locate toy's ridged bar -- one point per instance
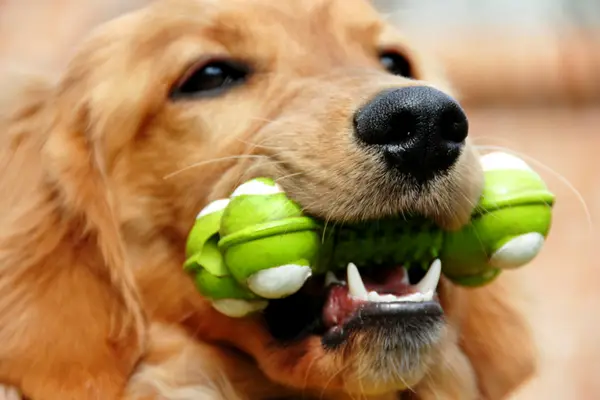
(410, 242)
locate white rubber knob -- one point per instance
(278, 282)
(518, 251)
(237, 308)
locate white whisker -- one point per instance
(492, 140)
(330, 380)
(305, 385)
(258, 145)
(288, 176)
(214, 160)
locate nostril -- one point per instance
(402, 129)
(385, 123)
(453, 125)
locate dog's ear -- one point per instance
(76, 167)
(496, 338)
(68, 293)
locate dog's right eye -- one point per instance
(211, 79)
(396, 63)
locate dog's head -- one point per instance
(185, 100)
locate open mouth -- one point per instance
(335, 305)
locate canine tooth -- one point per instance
(275, 283)
(215, 206)
(380, 298)
(428, 296)
(356, 287)
(331, 279)
(236, 308)
(430, 280)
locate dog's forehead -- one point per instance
(287, 31)
(234, 22)
(347, 9)
(161, 42)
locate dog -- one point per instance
(167, 108)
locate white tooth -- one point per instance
(428, 296)
(330, 279)
(356, 287)
(430, 280)
(388, 298)
(426, 288)
(373, 296)
(412, 298)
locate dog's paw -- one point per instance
(9, 393)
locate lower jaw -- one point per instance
(374, 366)
(400, 317)
(302, 315)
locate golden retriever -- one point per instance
(168, 108)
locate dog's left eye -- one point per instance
(396, 64)
(211, 79)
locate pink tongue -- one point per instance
(339, 306)
(388, 281)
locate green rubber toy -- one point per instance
(258, 245)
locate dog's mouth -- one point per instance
(337, 304)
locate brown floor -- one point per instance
(564, 279)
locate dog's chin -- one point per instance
(391, 348)
(384, 343)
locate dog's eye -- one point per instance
(396, 64)
(211, 79)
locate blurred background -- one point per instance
(528, 72)
(529, 75)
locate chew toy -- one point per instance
(258, 245)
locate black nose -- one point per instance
(420, 130)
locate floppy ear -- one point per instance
(71, 323)
(496, 338)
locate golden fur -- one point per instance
(102, 175)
